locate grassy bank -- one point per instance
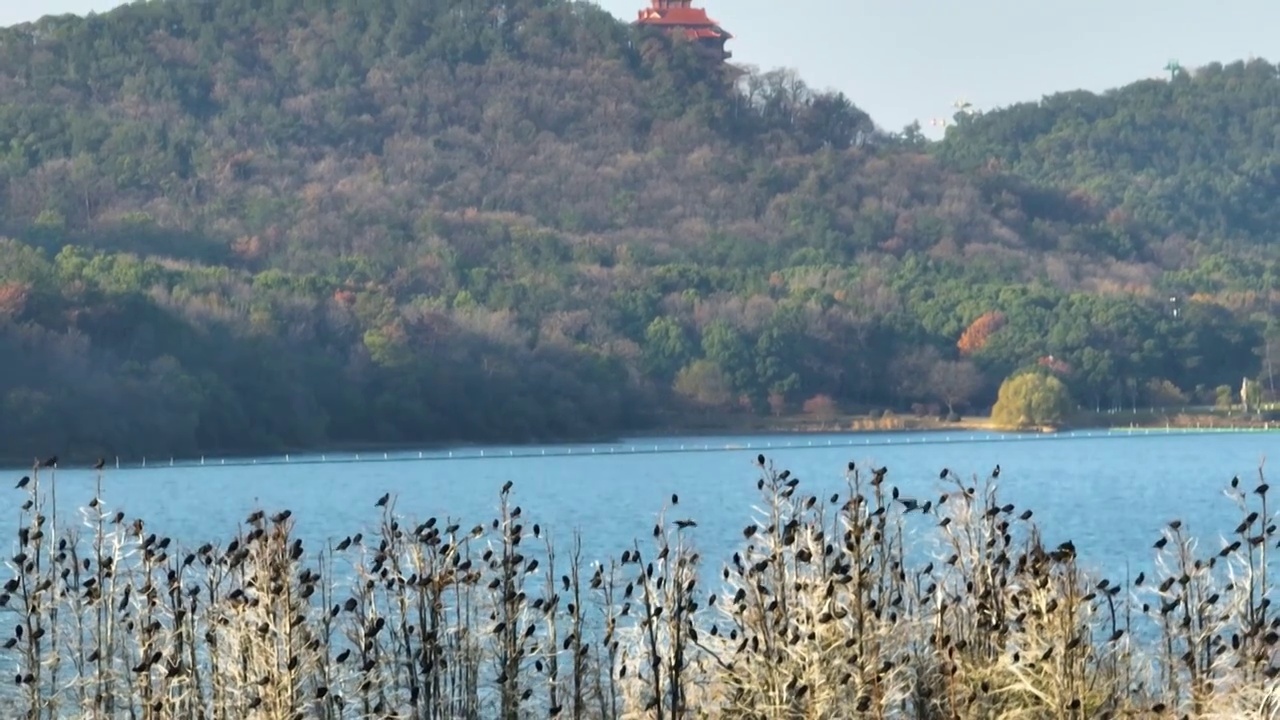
(823, 612)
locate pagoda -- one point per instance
(681, 17)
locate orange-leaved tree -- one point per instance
(975, 337)
(13, 299)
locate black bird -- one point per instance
(26, 479)
(852, 466)
(683, 524)
(675, 499)
(943, 475)
(52, 461)
(760, 460)
(996, 473)
(909, 504)
(281, 516)
(506, 487)
(100, 464)
(382, 501)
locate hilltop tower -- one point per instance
(681, 17)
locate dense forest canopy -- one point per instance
(239, 225)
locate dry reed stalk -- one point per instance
(830, 609)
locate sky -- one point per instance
(905, 60)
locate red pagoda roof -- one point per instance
(680, 14)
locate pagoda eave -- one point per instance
(691, 22)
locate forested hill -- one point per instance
(1197, 154)
(239, 225)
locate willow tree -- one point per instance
(1031, 399)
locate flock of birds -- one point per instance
(508, 563)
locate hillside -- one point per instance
(245, 226)
(1194, 159)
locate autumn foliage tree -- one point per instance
(13, 298)
(975, 337)
(821, 407)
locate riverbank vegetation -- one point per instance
(241, 227)
(950, 605)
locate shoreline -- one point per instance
(712, 426)
(747, 426)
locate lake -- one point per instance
(1108, 491)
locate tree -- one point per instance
(821, 407)
(975, 337)
(777, 403)
(1222, 398)
(13, 298)
(666, 346)
(703, 382)
(1031, 399)
(955, 381)
(1162, 393)
(725, 347)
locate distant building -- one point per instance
(680, 16)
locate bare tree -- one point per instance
(954, 381)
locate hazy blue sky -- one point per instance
(911, 59)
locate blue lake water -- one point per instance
(1110, 493)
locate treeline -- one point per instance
(239, 226)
